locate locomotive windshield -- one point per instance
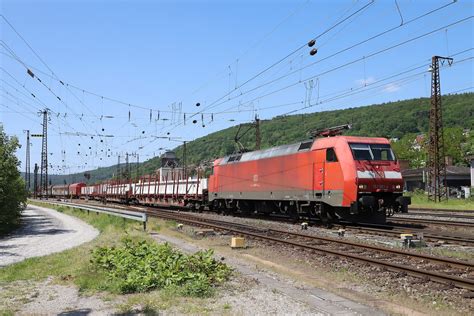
(372, 152)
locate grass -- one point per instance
(421, 200)
(73, 266)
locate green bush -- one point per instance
(141, 266)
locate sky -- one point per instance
(144, 76)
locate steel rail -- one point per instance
(462, 264)
(426, 235)
(431, 275)
(439, 210)
(384, 229)
(441, 214)
(431, 221)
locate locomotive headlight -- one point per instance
(362, 186)
(398, 187)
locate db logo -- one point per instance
(255, 178)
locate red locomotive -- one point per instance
(334, 178)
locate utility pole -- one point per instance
(258, 138)
(27, 162)
(437, 190)
(44, 155)
(118, 168)
(184, 160)
(35, 182)
(138, 166)
(127, 168)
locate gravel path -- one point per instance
(44, 231)
(274, 294)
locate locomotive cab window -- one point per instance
(331, 155)
(379, 152)
(382, 152)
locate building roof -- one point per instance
(451, 171)
(169, 154)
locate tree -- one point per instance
(468, 146)
(13, 193)
(411, 147)
(453, 140)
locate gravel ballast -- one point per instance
(44, 231)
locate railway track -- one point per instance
(427, 221)
(373, 229)
(453, 272)
(442, 215)
(395, 231)
(440, 210)
(441, 270)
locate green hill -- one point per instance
(391, 120)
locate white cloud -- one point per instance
(365, 81)
(391, 87)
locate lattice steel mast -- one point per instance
(258, 138)
(437, 188)
(44, 155)
(35, 183)
(119, 176)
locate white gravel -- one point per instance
(46, 298)
(44, 231)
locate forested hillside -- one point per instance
(401, 120)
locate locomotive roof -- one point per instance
(288, 149)
(265, 153)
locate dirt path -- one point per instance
(44, 231)
(278, 294)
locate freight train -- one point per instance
(338, 178)
(71, 191)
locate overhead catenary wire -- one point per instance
(357, 44)
(34, 52)
(35, 98)
(417, 75)
(396, 45)
(363, 58)
(199, 112)
(399, 82)
(35, 76)
(351, 47)
(346, 64)
(372, 85)
(239, 86)
(190, 114)
(11, 51)
(407, 79)
(291, 53)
